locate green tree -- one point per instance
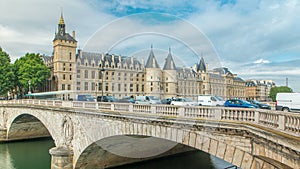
(6, 74)
(31, 68)
(280, 89)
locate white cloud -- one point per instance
(261, 61)
(260, 31)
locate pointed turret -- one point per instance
(201, 66)
(169, 64)
(151, 62)
(61, 34)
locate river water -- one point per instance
(34, 154)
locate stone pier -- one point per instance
(3, 134)
(62, 158)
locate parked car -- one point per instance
(184, 102)
(288, 102)
(220, 101)
(210, 100)
(86, 97)
(239, 103)
(147, 100)
(107, 99)
(166, 101)
(260, 105)
(127, 100)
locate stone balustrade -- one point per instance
(286, 122)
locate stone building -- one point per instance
(220, 81)
(259, 89)
(120, 76)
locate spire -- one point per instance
(61, 19)
(151, 62)
(169, 64)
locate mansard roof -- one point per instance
(222, 70)
(151, 62)
(169, 64)
(110, 59)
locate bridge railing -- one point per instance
(281, 121)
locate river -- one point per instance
(34, 154)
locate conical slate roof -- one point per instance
(151, 62)
(169, 64)
(201, 66)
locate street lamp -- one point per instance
(29, 91)
(184, 90)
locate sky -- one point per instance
(255, 39)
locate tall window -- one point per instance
(63, 87)
(86, 86)
(78, 73)
(93, 86)
(70, 55)
(131, 87)
(86, 74)
(70, 77)
(78, 85)
(119, 87)
(106, 86)
(69, 87)
(93, 74)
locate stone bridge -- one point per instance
(100, 135)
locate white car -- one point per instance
(184, 102)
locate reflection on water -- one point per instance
(189, 160)
(26, 154)
(34, 154)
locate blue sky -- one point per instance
(255, 39)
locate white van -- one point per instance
(288, 101)
(147, 100)
(210, 100)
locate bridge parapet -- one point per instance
(288, 123)
(258, 133)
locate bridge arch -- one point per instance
(32, 123)
(26, 126)
(110, 134)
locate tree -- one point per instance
(6, 74)
(280, 89)
(31, 68)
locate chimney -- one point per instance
(73, 34)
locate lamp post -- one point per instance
(29, 91)
(184, 90)
(102, 73)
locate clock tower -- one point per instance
(64, 60)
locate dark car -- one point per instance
(106, 99)
(239, 103)
(260, 105)
(167, 101)
(127, 100)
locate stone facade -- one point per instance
(259, 89)
(119, 76)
